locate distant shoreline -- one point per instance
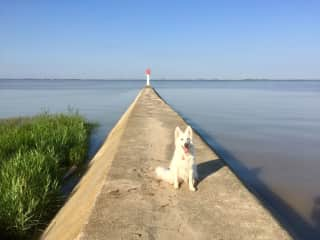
(122, 79)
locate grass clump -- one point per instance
(35, 153)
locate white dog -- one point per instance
(182, 166)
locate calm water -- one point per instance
(268, 131)
(99, 101)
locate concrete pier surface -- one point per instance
(119, 197)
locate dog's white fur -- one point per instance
(182, 166)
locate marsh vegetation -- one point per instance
(35, 154)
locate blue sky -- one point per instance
(177, 39)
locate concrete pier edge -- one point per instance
(281, 221)
(76, 210)
(90, 212)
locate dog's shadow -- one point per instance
(205, 169)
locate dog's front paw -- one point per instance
(176, 185)
(193, 189)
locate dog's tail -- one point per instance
(164, 174)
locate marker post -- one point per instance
(148, 72)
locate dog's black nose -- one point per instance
(186, 145)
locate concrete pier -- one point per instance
(119, 198)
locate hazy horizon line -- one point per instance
(170, 79)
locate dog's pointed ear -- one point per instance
(188, 131)
(177, 132)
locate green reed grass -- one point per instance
(35, 153)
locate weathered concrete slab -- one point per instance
(119, 197)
